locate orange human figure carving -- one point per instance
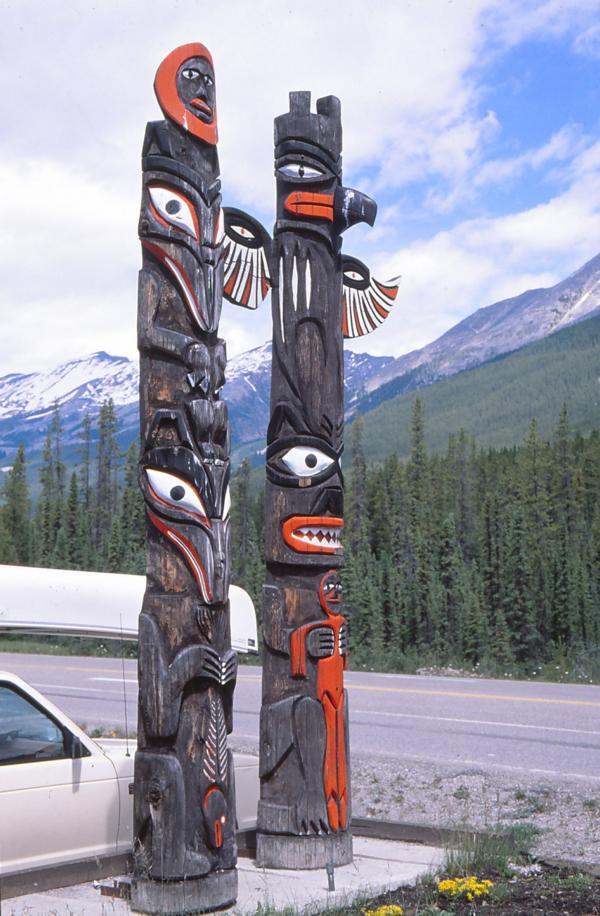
(326, 640)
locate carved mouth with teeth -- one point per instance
(313, 533)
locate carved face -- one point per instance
(196, 88)
(308, 171)
(185, 89)
(188, 502)
(330, 593)
(184, 235)
(307, 179)
(306, 471)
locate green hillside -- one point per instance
(495, 402)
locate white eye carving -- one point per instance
(227, 503)
(190, 73)
(245, 233)
(304, 461)
(300, 170)
(353, 275)
(175, 209)
(176, 492)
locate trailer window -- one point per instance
(26, 733)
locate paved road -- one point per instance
(548, 729)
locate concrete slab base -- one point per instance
(176, 898)
(378, 866)
(303, 852)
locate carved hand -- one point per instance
(320, 642)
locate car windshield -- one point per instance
(26, 734)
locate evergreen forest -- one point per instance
(482, 559)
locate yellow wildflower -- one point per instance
(470, 887)
(390, 909)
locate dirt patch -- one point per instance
(551, 893)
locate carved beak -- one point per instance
(352, 207)
(306, 203)
(345, 207)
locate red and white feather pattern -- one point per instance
(367, 302)
(247, 278)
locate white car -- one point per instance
(65, 798)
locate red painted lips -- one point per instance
(313, 533)
(202, 106)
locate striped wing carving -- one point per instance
(367, 302)
(247, 278)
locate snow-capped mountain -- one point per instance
(82, 385)
(83, 382)
(493, 331)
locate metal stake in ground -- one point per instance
(304, 811)
(184, 845)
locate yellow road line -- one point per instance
(86, 670)
(416, 691)
(474, 696)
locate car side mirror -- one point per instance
(77, 749)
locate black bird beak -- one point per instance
(351, 207)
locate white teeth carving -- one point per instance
(328, 537)
(295, 284)
(308, 284)
(281, 299)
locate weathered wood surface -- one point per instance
(184, 804)
(304, 810)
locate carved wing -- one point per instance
(367, 303)
(247, 243)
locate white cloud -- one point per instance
(588, 42)
(410, 77)
(71, 258)
(481, 261)
(561, 147)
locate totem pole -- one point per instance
(317, 299)
(193, 253)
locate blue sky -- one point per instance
(474, 124)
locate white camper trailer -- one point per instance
(67, 797)
(105, 605)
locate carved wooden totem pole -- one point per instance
(184, 805)
(304, 810)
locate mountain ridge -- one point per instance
(499, 328)
(495, 402)
(81, 385)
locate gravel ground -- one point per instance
(566, 814)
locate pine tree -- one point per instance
(452, 598)
(8, 553)
(17, 510)
(107, 470)
(88, 526)
(50, 503)
(517, 603)
(132, 517)
(72, 527)
(355, 509)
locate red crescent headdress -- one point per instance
(165, 87)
